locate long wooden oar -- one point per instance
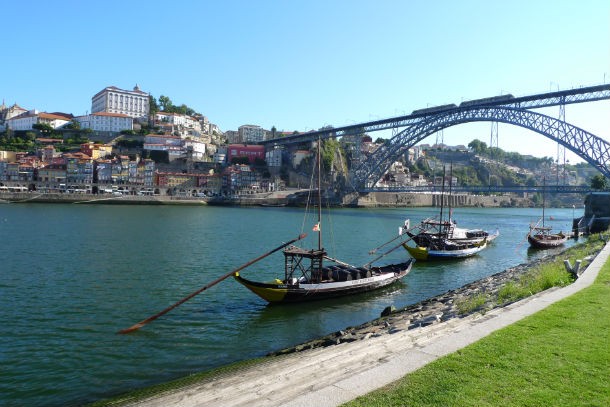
(403, 230)
(205, 287)
(409, 238)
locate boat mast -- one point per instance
(440, 221)
(449, 198)
(543, 199)
(319, 199)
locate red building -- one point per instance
(244, 150)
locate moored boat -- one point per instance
(333, 282)
(306, 278)
(445, 249)
(540, 237)
(442, 239)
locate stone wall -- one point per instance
(394, 199)
(597, 212)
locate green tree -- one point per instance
(73, 125)
(43, 128)
(166, 103)
(599, 182)
(478, 146)
(153, 105)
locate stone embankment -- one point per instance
(398, 199)
(279, 198)
(441, 308)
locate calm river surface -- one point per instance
(71, 276)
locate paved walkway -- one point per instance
(328, 377)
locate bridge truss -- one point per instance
(593, 149)
(506, 109)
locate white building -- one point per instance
(250, 134)
(196, 149)
(220, 156)
(25, 121)
(106, 122)
(175, 146)
(274, 157)
(133, 103)
(7, 112)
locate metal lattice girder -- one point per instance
(559, 98)
(593, 149)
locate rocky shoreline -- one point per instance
(440, 308)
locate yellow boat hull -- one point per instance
(278, 292)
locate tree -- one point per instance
(166, 103)
(43, 128)
(478, 146)
(153, 105)
(73, 125)
(599, 182)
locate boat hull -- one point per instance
(546, 241)
(279, 292)
(425, 253)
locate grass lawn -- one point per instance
(559, 356)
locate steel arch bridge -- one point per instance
(589, 147)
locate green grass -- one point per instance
(470, 304)
(549, 274)
(557, 357)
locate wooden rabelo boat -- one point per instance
(442, 239)
(540, 237)
(430, 228)
(307, 278)
(445, 249)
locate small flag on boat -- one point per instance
(316, 227)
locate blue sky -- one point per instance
(301, 65)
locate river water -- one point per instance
(71, 276)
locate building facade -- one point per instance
(251, 134)
(252, 152)
(106, 122)
(25, 121)
(133, 103)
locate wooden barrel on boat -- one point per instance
(341, 274)
(327, 273)
(364, 272)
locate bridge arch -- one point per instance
(593, 149)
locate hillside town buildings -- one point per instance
(191, 154)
